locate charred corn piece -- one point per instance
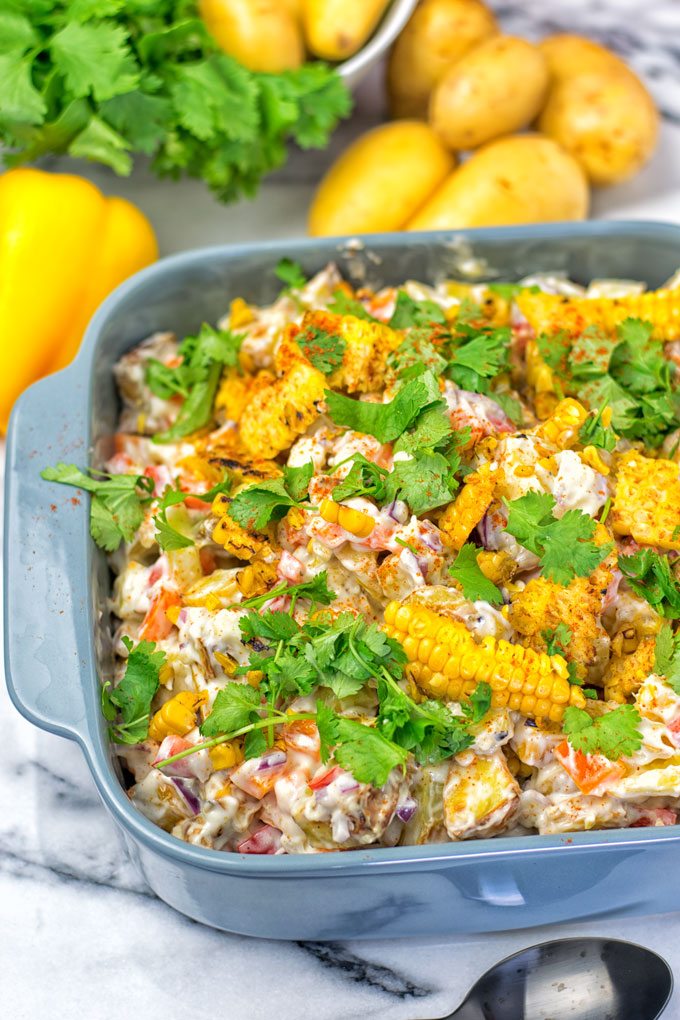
(240, 313)
(233, 394)
(626, 640)
(447, 663)
(498, 567)
(178, 715)
(647, 500)
(355, 521)
(366, 346)
(561, 428)
(548, 313)
(541, 380)
(226, 755)
(276, 415)
(470, 505)
(236, 540)
(626, 673)
(256, 579)
(591, 456)
(201, 468)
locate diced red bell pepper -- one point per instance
(589, 771)
(156, 624)
(325, 779)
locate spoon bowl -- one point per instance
(572, 979)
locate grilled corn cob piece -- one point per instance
(626, 673)
(178, 715)
(469, 506)
(561, 428)
(647, 501)
(236, 390)
(541, 380)
(281, 411)
(257, 578)
(236, 540)
(367, 345)
(447, 663)
(548, 313)
(355, 521)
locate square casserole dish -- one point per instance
(56, 626)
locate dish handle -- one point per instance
(47, 598)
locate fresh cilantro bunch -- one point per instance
(563, 545)
(627, 372)
(256, 505)
(102, 80)
(195, 378)
(649, 575)
(132, 697)
(117, 504)
(615, 734)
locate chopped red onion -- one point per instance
(192, 801)
(272, 760)
(266, 840)
(406, 810)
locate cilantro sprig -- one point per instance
(101, 80)
(195, 378)
(474, 584)
(258, 504)
(667, 656)
(615, 734)
(117, 503)
(562, 544)
(290, 273)
(409, 312)
(649, 575)
(132, 697)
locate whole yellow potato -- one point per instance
(262, 34)
(439, 33)
(496, 88)
(380, 181)
(570, 55)
(335, 29)
(606, 120)
(521, 179)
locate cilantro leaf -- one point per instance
(316, 590)
(615, 734)
(480, 701)
(594, 433)
(363, 479)
(408, 312)
(483, 356)
(343, 304)
(290, 273)
(563, 545)
(474, 584)
(135, 692)
(326, 725)
(428, 729)
(168, 535)
(510, 291)
(667, 656)
(365, 752)
(425, 481)
(117, 504)
(235, 706)
(557, 640)
(272, 626)
(258, 504)
(94, 59)
(324, 350)
(296, 480)
(419, 348)
(649, 575)
(384, 421)
(196, 377)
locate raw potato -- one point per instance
(336, 29)
(524, 179)
(495, 89)
(262, 34)
(572, 55)
(608, 121)
(438, 34)
(380, 181)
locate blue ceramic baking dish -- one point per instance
(57, 582)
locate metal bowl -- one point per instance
(394, 19)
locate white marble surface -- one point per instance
(82, 937)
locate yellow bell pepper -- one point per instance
(63, 247)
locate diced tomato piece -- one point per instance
(301, 735)
(325, 779)
(589, 771)
(194, 503)
(256, 781)
(266, 840)
(156, 624)
(173, 744)
(655, 816)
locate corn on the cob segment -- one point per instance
(355, 521)
(367, 345)
(548, 313)
(236, 540)
(562, 426)
(178, 715)
(541, 380)
(626, 673)
(283, 410)
(647, 500)
(236, 390)
(447, 663)
(257, 578)
(470, 505)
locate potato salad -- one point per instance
(397, 566)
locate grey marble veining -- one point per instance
(82, 936)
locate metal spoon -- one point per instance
(572, 979)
